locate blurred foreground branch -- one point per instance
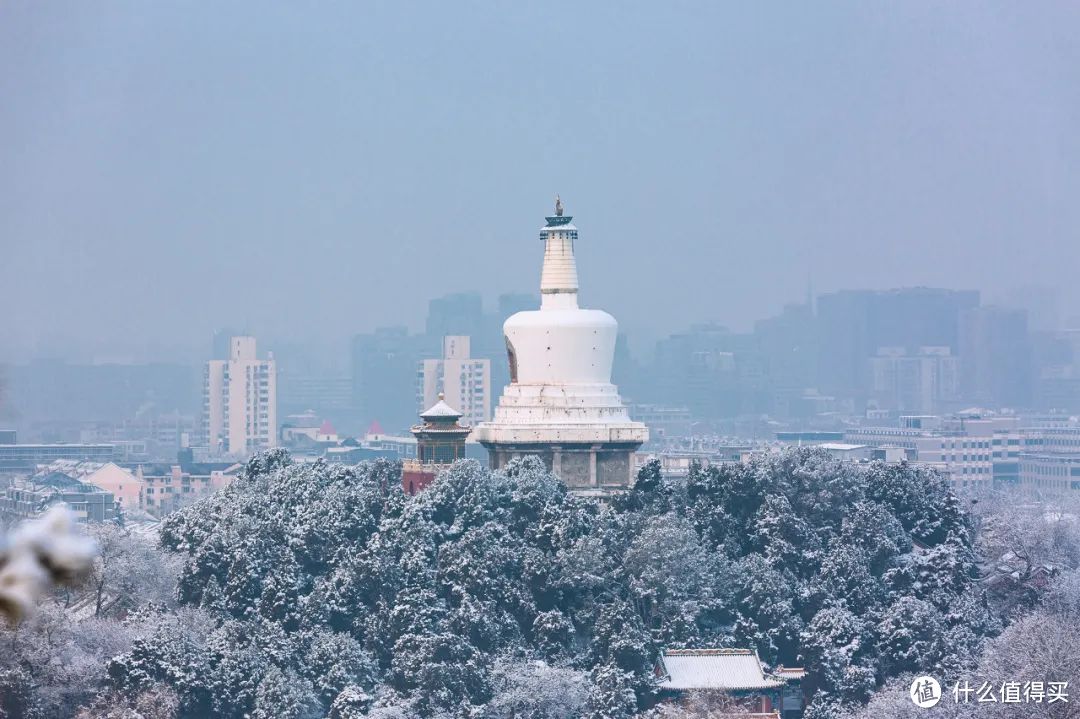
(38, 554)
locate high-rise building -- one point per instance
(240, 401)
(996, 355)
(461, 313)
(1042, 305)
(326, 394)
(464, 380)
(852, 325)
(384, 376)
(788, 347)
(560, 404)
(221, 344)
(922, 382)
(712, 371)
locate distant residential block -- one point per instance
(172, 486)
(240, 401)
(462, 379)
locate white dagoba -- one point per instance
(560, 403)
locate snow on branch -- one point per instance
(37, 554)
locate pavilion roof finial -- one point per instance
(558, 206)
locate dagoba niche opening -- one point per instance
(512, 357)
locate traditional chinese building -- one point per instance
(737, 673)
(560, 404)
(440, 441)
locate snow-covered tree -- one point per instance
(536, 689)
(481, 595)
(352, 702)
(1040, 646)
(611, 695)
(1021, 535)
(157, 702)
(128, 571)
(285, 695)
(910, 636)
(335, 661)
(553, 632)
(838, 652)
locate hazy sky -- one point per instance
(309, 170)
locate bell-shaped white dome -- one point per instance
(561, 346)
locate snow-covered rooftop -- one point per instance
(441, 410)
(727, 669)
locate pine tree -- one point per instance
(284, 695)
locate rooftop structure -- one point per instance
(737, 672)
(126, 487)
(845, 450)
(21, 457)
(29, 498)
(721, 669)
(560, 404)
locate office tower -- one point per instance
(922, 382)
(853, 325)
(384, 376)
(456, 314)
(995, 354)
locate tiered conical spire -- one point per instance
(558, 278)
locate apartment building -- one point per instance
(240, 401)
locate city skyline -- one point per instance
(854, 352)
(1040, 302)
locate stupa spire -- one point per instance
(558, 278)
